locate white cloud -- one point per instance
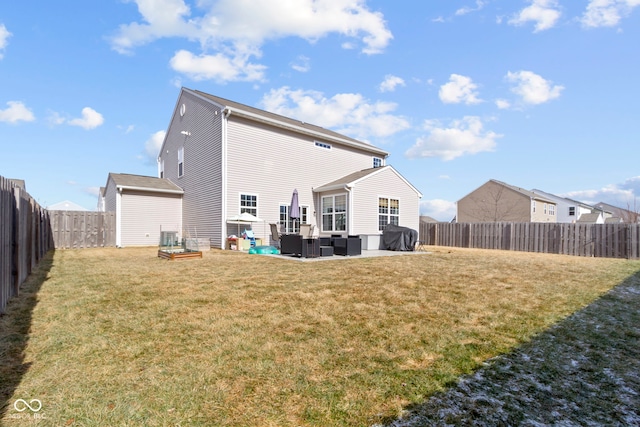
(90, 119)
(218, 67)
(503, 104)
(543, 12)
(302, 64)
(348, 113)
(442, 210)
(459, 89)
(231, 31)
(607, 13)
(390, 83)
(624, 195)
(460, 138)
(468, 9)
(17, 112)
(532, 88)
(4, 39)
(153, 145)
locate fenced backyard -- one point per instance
(25, 237)
(79, 229)
(589, 240)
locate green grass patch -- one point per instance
(121, 337)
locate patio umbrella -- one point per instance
(294, 209)
(244, 217)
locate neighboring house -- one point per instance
(230, 158)
(66, 206)
(591, 218)
(425, 218)
(144, 206)
(624, 215)
(567, 210)
(496, 201)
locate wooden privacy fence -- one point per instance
(25, 237)
(83, 229)
(591, 240)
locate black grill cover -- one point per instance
(396, 238)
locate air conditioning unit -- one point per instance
(169, 238)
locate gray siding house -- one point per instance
(229, 158)
(496, 201)
(144, 206)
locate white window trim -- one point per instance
(180, 162)
(244, 193)
(388, 214)
(333, 216)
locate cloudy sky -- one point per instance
(537, 93)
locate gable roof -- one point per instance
(589, 218)
(66, 205)
(353, 178)
(524, 192)
(255, 114)
(565, 199)
(127, 181)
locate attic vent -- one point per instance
(183, 109)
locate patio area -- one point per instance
(364, 254)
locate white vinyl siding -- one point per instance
(366, 196)
(272, 162)
(145, 214)
(202, 151)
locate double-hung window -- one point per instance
(288, 223)
(572, 211)
(334, 213)
(181, 161)
(249, 204)
(388, 212)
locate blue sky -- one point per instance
(537, 93)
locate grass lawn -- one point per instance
(120, 337)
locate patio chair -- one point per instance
(306, 231)
(248, 234)
(275, 234)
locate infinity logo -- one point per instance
(21, 405)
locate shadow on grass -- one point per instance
(15, 325)
(584, 370)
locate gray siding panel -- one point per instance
(202, 179)
(144, 215)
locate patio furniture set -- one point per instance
(305, 245)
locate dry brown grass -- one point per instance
(121, 337)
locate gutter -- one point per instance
(151, 190)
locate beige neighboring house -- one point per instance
(230, 158)
(144, 206)
(496, 201)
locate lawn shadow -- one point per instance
(585, 370)
(15, 326)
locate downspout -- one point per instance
(118, 217)
(349, 209)
(223, 158)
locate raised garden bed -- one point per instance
(171, 255)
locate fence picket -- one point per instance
(589, 240)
